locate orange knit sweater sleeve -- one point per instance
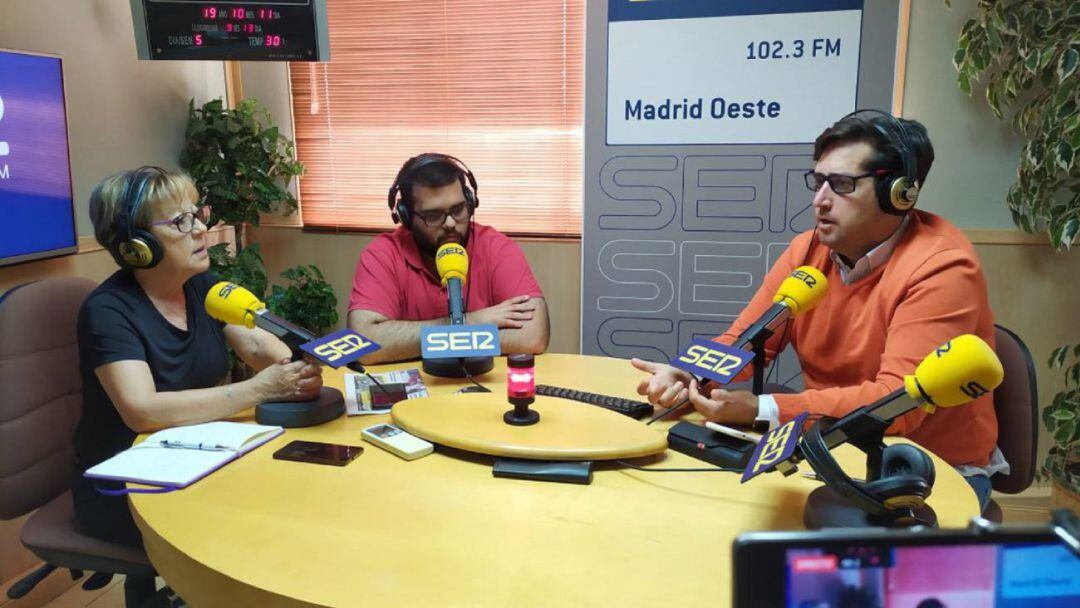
(760, 303)
(936, 304)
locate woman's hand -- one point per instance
(289, 381)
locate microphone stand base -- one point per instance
(295, 414)
(456, 367)
(827, 509)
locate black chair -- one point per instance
(40, 405)
(1016, 403)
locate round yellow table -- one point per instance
(441, 531)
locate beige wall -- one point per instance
(976, 154)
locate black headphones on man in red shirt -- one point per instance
(400, 196)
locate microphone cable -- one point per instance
(680, 470)
(377, 383)
(358, 367)
(667, 412)
(465, 369)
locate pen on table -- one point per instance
(730, 432)
(195, 446)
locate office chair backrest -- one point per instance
(40, 391)
(1016, 403)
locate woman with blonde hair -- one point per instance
(150, 355)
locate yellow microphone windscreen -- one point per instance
(958, 371)
(452, 261)
(230, 303)
(803, 290)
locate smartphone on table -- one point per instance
(319, 453)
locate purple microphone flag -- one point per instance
(713, 360)
(340, 348)
(775, 447)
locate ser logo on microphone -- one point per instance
(805, 277)
(451, 341)
(226, 290)
(450, 249)
(973, 389)
(340, 348)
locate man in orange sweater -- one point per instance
(901, 283)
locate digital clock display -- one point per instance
(267, 30)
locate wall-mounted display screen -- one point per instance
(37, 215)
(267, 30)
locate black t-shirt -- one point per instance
(118, 322)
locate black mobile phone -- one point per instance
(999, 566)
(319, 453)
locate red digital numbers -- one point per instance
(273, 40)
(266, 14)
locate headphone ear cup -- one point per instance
(907, 477)
(900, 491)
(906, 459)
(143, 250)
(470, 200)
(902, 194)
(888, 190)
(402, 214)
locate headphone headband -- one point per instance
(817, 454)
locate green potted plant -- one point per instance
(1062, 419)
(242, 166)
(1028, 54)
(307, 296)
(240, 161)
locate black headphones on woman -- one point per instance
(896, 195)
(136, 247)
(903, 480)
(400, 197)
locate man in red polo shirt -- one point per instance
(396, 290)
